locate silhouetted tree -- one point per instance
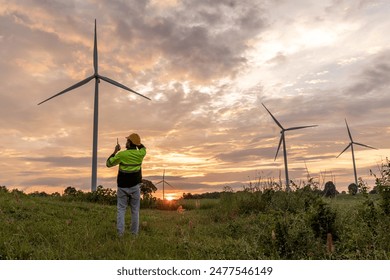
(39, 194)
(352, 189)
(188, 196)
(102, 195)
(70, 191)
(147, 189)
(212, 195)
(330, 189)
(373, 191)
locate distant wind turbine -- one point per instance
(164, 182)
(97, 78)
(282, 140)
(353, 154)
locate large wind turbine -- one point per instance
(282, 140)
(97, 78)
(164, 182)
(353, 154)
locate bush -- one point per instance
(368, 213)
(362, 186)
(148, 202)
(384, 192)
(322, 220)
(106, 196)
(293, 239)
(147, 189)
(70, 191)
(166, 205)
(39, 194)
(269, 200)
(352, 189)
(101, 195)
(330, 189)
(382, 185)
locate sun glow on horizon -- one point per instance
(170, 197)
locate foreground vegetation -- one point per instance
(256, 223)
(245, 225)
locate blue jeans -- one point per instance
(123, 196)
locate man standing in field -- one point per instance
(129, 180)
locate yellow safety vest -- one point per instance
(129, 160)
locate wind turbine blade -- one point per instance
(300, 127)
(79, 84)
(364, 145)
(121, 86)
(349, 132)
(169, 185)
(280, 143)
(344, 150)
(276, 121)
(95, 52)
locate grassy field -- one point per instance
(234, 227)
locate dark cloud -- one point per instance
(193, 42)
(65, 161)
(56, 181)
(373, 78)
(245, 154)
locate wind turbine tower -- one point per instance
(97, 78)
(352, 150)
(283, 140)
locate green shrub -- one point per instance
(369, 214)
(245, 202)
(148, 202)
(102, 195)
(171, 205)
(382, 185)
(330, 189)
(322, 219)
(384, 192)
(353, 189)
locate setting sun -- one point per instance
(170, 197)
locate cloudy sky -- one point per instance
(207, 66)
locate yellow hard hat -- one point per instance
(134, 137)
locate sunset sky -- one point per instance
(207, 67)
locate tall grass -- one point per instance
(268, 224)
